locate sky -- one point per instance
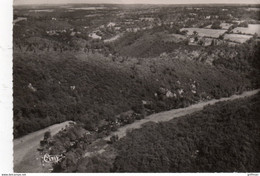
(26, 2)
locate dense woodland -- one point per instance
(59, 78)
(221, 138)
(51, 88)
(61, 72)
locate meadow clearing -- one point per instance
(237, 37)
(214, 33)
(251, 29)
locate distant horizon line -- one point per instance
(135, 4)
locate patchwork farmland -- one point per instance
(250, 30)
(214, 33)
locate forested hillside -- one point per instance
(64, 68)
(106, 70)
(51, 87)
(221, 138)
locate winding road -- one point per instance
(25, 149)
(162, 116)
(168, 115)
(26, 158)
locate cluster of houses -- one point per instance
(134, 21)
(127, 25)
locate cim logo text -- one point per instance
(52, 158)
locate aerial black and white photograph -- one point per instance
(127, 86)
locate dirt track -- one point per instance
(168, 115)
(25, 149)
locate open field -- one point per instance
(253, 9)
(225, 26)
(237, 37)
(251, 29)
(41, 10)
(214, 33)
(88, 8)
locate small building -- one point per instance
(208, 17)
(95, 36)
(111, 24)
